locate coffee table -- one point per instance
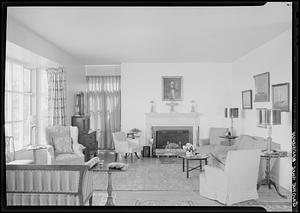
(104, 168)
(196, 157)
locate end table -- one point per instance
(267, 180)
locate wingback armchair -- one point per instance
(76, 157)
(237, 182)
(124, 145)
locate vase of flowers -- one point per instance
(189, 149)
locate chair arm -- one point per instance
(134, 143)
(50, 154)
(78, 148)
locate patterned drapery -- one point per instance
(104, 107)
(56, 96)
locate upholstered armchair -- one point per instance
(124, 146)
(38, 185)
(237, 182)
(74, 156)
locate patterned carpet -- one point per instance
(269, 206)
(158, 177)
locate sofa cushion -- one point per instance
(63, 145)
(254, 142)
(69, 159)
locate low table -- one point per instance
(197, 157)
(104, 168)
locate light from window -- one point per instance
(18, 103)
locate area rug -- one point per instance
(157, 177)
(170, 160)
(99, 198)
(267, 205)
(164, 203)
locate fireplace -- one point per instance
(171, 137)
(172, 121)
(167, 137)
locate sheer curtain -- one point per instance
(56, 96)
(104, 107)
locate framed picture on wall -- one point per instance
(172, 88)
(262, 87)
(281, 97)
(247, 99)
(261, 117)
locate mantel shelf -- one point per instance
(173, 114)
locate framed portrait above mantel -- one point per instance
(281, 97)
(262, 87)
(247, 99)
(172, 88)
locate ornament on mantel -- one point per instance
(193, 106)
(152, 106)
(172, 104)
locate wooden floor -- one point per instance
(129, 197)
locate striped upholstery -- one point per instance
(48, 184)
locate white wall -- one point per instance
(209, 84)
(275, 57)
(75, 73)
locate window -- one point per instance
(26, 93)
(18, 103)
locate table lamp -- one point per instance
(233, 113)
(272, 117)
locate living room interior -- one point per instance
(116, 97)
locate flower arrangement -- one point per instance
(189, 147)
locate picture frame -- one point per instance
(172, 88)
(261, 117)
(281, 97)
(247, 99)
(262, 87)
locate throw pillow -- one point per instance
(63, 145)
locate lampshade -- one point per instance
(226, 112)
(273, 116)
(234, 112)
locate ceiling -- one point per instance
(114, 35)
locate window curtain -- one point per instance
(56, 96)
(104, 107)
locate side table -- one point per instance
(267, 180)
(34, 148)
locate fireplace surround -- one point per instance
(173, 122)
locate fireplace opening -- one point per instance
(171, 138)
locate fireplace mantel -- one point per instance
(173, 119)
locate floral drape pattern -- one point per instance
(104, 107)
(56, 96)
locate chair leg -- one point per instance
(137, 155)
(91, 201)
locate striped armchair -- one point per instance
(48, 185)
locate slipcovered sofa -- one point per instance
(48, 185)
(241, 143)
